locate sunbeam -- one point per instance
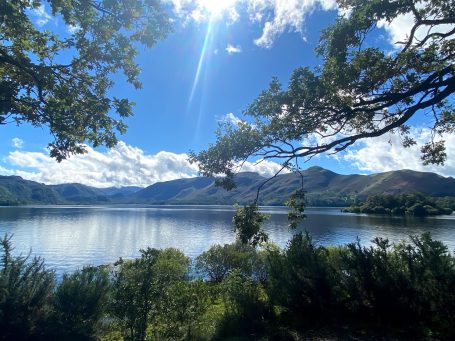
(207, 43)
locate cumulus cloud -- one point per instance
(264, 167)
(17, 143)
(386, 153)
(279, 16)
(231, 49)
(41, 15)
(202, 10)
(275, 16)
(287, 15)
(123, 165)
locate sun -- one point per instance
(217, 7)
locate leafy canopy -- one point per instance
(361, 91)
(62, 81)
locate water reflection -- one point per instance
(69, 237)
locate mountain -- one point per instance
(78, 193)
(198, 191)
(82, 194)
(15, 191)
(119, 191)
(324, 188)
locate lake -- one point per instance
(69, 237)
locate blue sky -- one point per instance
(220, 56)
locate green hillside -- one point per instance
(15, 190)
(324, 188)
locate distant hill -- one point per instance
(16, 191)
(78, 193)
(324, 188)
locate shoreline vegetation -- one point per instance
(384, 291)
(417, 204)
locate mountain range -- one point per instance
(323, 187)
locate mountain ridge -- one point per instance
(323, 187)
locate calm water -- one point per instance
(69, 237)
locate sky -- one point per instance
(219, 57)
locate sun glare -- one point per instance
(217, 7)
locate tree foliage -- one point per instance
(405, 204)
(80, 302)
(248, 225)
(219, 261)
(361, 91)
(139, 289)
(61, 81)
(382, 291)
(26, 287)
(185, 304)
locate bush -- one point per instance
(26, 289)
(185, 304)
(80, 302)
(245, 308)
(407, 287)
(139, 288)
(404, 290)
(219, 261)
(302, 282)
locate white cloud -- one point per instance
(203, 10)
(386, 153)
(6, 171)
(287, 15)
(42, 17)
(231, 118)
(17, 143)
(275, 16)
(400, 27)
(123, 165)
(230, 49)
(264, 167)
(279, 16)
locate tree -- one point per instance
(360, 92)
(302, 281)
(219, 261)
(26, 289)
(80, 302)
(185, 303)
(139, 287)
(134, 295)
(61, 81)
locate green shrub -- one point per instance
(139, 288)
(302, 282)
(219, 261)
(26, 289)
(80, 302)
